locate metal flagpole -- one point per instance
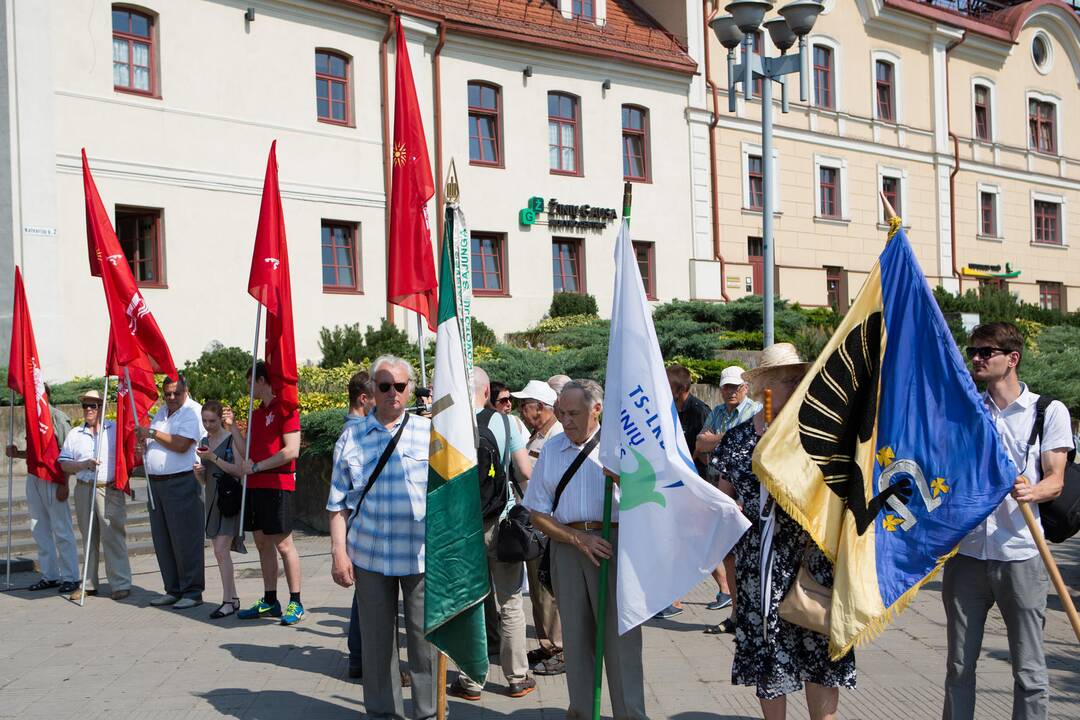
(135, 415)
(420, 342)
(93, 489)
(251, 409)
(602, 585)
(10, 480)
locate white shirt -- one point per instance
(79, 445)
(1004, 534)
(583, 498)
(185, 422)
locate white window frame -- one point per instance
(749, 149)
(983, 80)
(884, 171)
(838, 79)
(1056, 102)
(1049, 65)
(894, 60)
(566, 8)
(837, 163)
(994, 190)
(1062, 215)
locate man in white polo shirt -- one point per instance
(998, 562)
(89, 454)
(176, 518)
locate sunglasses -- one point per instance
(90, 406)
(503, 400)
(985, 352)
(384, 387)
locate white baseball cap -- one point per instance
(537, 390)
(732, 375)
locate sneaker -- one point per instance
(294, 613)
(523, 688)
(44, 584)
(69, 586)
(165, 599)
(667, 613)
(460, 691)
(260, 609)
(722, 601)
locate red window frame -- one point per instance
(484, 246)
(491, 114)
(1042, 117)
(569, 266)
(885, 87)
(1050, 295)
(993, 282)
(755, 179)
(890, 188)
(823, 77)
(645, 254)
(351, 236)
(583, 9)
(759, 50)
(148, 268)
(988, 214)
(1047, 222)
(982, 113)
(332, 80)
(561, 122)
(834, 288)
(829, 182)
(131, 38)
(632, 136)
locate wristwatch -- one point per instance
(255, 467)
(153, 433)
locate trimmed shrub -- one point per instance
(345, 343)
(482, 334)
(320, 430)
(220, 373)
(564, 303)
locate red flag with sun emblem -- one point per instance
(411, 279)
(145, 392)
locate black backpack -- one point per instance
(1061, 516)
(490, 466)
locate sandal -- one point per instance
(554, 665)
(222, 612)
(725, 627)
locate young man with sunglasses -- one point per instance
(89, 453)
(998, 562)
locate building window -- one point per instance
(982, 112)
(340, 258)
(635, 143)
(885, 88)
(1041, 119)
(485, 124)
(829, 182)
(643, 251)
(133, 51)
(563, 136)
(755, 256)
(584, 9)
(756, 179)
(890, 188)
(139, 232)
(489, 263)
(993, 283)
(1050, 296)
(988, 214)
(332, 87)
(836, 288)
(1047, 222)
(824, 97)
(566, 265)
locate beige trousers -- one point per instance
(545, 611)
(110, 519)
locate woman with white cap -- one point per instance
(770, 653)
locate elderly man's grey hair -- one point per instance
(558, 382)
(392, 361)
(594, 394)
(481, 383)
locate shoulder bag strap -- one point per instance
(1037, 428)
(383, 459)
(506, 435)
(573, 468)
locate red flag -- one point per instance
(269, 284)
(145, 389)
(411, 271)
(127, 308)
(26, 378)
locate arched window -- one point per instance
(332, 93)
(983, 112)
(635, 143)
(134, 51)
(824, 77)
(485, 124)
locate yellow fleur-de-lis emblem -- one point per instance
(400, 154)
(885, 456)
(891, 522)
(938, 486)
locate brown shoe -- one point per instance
(76, 596)
(120, 594)
(523, 688)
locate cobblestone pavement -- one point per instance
(128, 660)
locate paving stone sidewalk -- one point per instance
(125, 659)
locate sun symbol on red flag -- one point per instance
(400, 155)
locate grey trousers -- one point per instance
(377, 596)
(50, 524)
(576, 582)
(109, 531)
(970, 587)
(176, 525)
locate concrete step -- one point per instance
(20, 525)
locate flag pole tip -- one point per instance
(453, 188)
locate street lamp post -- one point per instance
(738, 29)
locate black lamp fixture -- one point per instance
(527, 72)
(249, 15)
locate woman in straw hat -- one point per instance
(772, 654)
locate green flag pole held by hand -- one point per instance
(602, 588)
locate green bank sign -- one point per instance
(562, 216)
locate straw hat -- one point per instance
(779, 356)
(89, 395)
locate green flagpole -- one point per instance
(602, 589)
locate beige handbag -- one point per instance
(808, 602)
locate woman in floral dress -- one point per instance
(772, 654)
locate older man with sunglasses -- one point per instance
(378, 512)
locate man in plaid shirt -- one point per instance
(379, 546)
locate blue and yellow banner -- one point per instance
(886, 453)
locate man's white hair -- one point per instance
(558, 382)
(392, 361)
(594, 394)
(481, 383)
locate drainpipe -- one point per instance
(436, 74)
(956, 166)
(713, 131)
(384, 101)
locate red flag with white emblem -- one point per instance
(146, 394)
(26, 378)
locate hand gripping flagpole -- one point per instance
(135, 416)
(605, 533)
(10, 479)
(251, 409)
(93, 489)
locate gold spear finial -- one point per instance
(453, 190)
(890, 215)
